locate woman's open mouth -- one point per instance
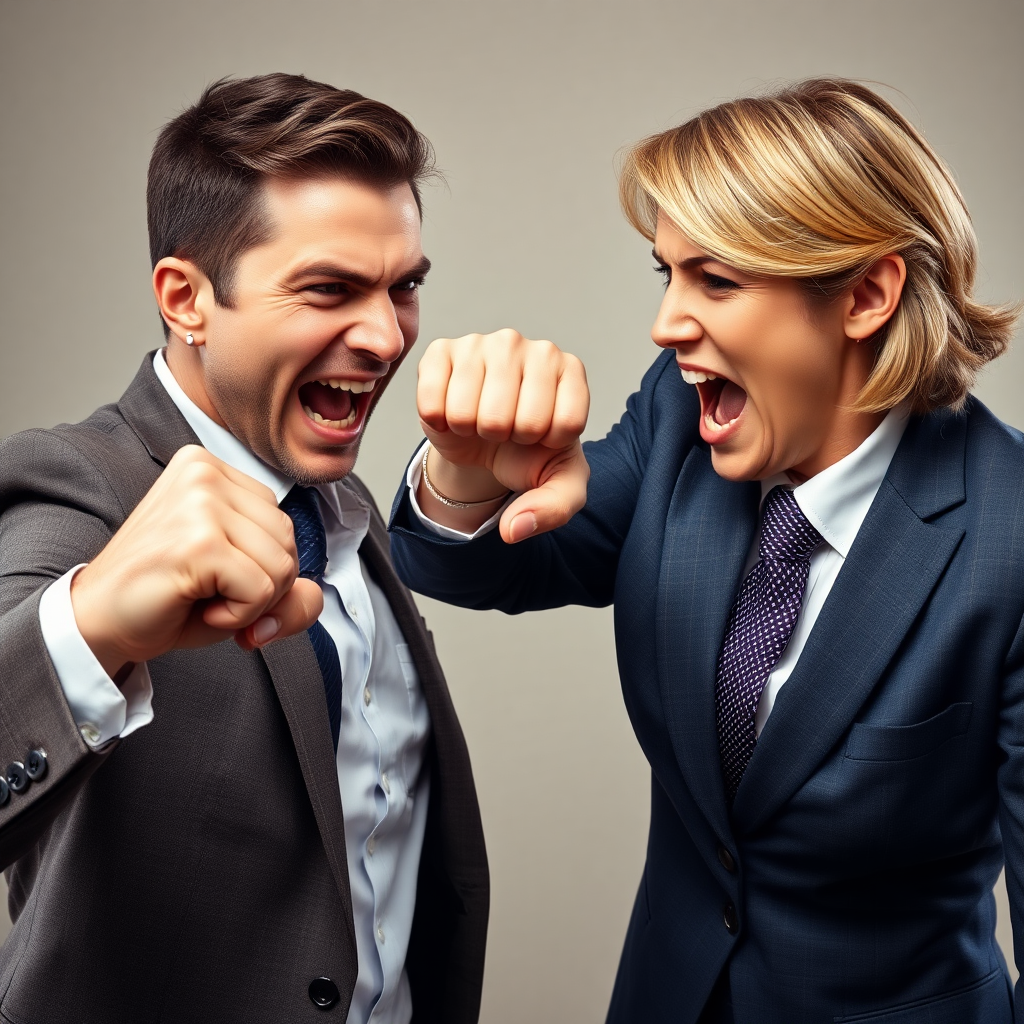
(721, 404)
(336, 403)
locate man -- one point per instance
(198, 825)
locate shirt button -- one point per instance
(371, 845)
(366, 696)
(89, 732)
(380, 932)
(726, 859)
(385, 783)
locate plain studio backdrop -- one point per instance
(527, 104)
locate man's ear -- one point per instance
(875, 298)
(182, 292)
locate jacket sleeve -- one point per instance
(56, 510)
(1011, 799)
(575, 564)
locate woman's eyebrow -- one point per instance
(688, 263)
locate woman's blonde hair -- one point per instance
(817, 182)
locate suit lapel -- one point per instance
(300, 689)
(153, 416)
(292, 665)
(893, 566)
(708, 532)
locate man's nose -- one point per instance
(674, 325)
(376, 330)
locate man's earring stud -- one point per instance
(189, 340)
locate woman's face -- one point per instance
(773, 371)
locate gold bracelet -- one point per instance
(451, 502)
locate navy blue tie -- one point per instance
(301, 505)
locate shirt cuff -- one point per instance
(101, 710)
(412, 479)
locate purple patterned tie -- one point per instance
(760, 626)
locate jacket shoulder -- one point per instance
(84, 464)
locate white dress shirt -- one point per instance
(385, 724)
(835, 501)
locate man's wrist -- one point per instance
(113, 661)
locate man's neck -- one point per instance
(186, 366)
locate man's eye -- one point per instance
(330, 288)
(408, 286)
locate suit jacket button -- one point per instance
(732, 922)
(5, 791)
(324, 993)
(17, 777)
(726, 859)
(35, 765)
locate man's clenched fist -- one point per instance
(205, 555)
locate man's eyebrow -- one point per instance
(336, 272)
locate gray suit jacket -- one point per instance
(196, 870)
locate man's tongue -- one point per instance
(730, 403)
(331, 403)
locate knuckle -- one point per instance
(264, 589)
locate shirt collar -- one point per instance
(341, 502)
(836, 500)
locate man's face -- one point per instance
(774, 374)
(322, 316)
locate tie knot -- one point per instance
(786, 535)
(310, 539)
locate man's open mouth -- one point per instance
(335, 402)
(721, 400)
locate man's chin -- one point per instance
(317, 466)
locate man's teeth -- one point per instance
(334, 424)
(357, 387)
(696, 376)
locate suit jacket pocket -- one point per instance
(905, 742)
(985, 1002)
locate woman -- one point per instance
(814, 541)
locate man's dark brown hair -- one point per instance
(204, 195)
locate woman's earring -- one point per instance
(189, 340)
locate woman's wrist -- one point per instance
(458, 486)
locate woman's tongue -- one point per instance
(330, 403)
(731, 400)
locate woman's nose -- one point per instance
(674, 326)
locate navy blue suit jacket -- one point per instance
(888, 782)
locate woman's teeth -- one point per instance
(696, 376)
(334, 424)
(713, 426)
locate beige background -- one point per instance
(527, 104)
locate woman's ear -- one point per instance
(875, 298)
(179, 287)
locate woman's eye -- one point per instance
(665, 271)
(715, 283)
